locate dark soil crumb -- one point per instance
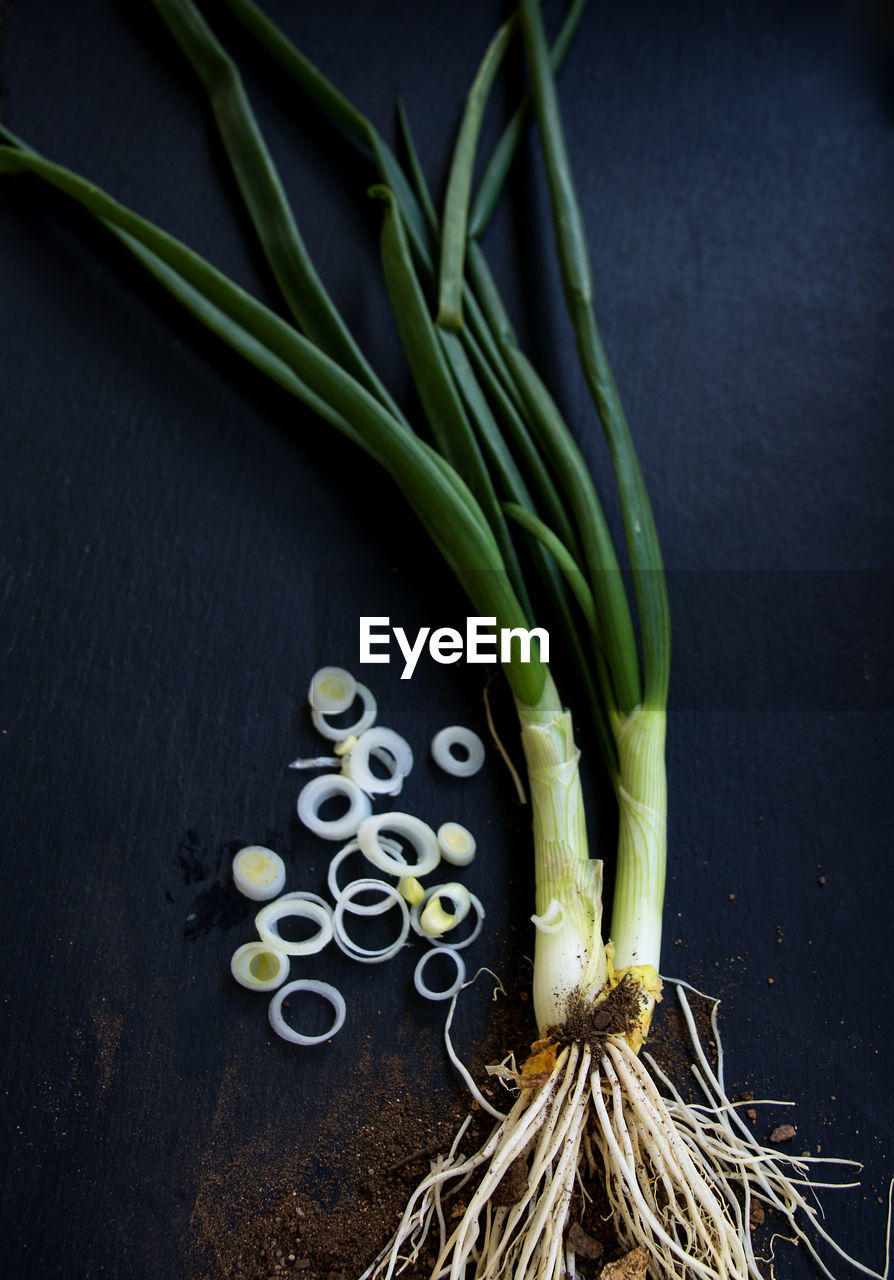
(614, 1014)
(756, 1213)
(631, 1267)
(583, 1245)
(513, 1184)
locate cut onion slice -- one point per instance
(457, 843)
(422, 986)
(314, 795)
(471, 746)
(268, 918)
(353, 949)
(258, 873)
(332, 690)
(366, 719)
(259, 967)
(359, 909)
(418, 833)
(324, 989)
(447, 941)
(386, 746)
(435, 918)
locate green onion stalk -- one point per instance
(500, 484)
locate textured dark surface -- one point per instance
(180, 546)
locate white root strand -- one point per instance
(681, 1177)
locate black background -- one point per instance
(181, 546)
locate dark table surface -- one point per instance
(181, 546)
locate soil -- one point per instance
(615, 1014)
(328, 1213)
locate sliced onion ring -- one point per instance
(457, 843)
(332, 690)
(359, 909)
(446, 941)
(268, 918)
(434, 923)
(417, 832)
(456, 735)
(258, 873)
(388, 747)
(330, 993)
(366, 719)
(353, 949)
(259, 967)
(419, 981)
(316, 792)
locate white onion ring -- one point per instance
(445, 940)
(387, 746)
(458, 894)
(332, 690)
(305, 895)
(417, 832)
(306, 909)
(246, 956)
(314, 793)
(374, 909)
(457, 735)
(353, 949)
(258, 873)
(449, 835)
(454, 986)
(330, 993)
(366, 719)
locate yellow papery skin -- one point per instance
(645, 976)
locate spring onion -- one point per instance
(313, 987)
(446, 906)
(449, 953)
(369, 955)
(365, 720)
(504, 492)
(390, 749)
(414, 831)
(390, 846)
(458, 751)
(411, 890)
(259, 967)
(297, 907)
(457, 844)
(331, 786)
(332, 690)
(449, 939)
(258, 873)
